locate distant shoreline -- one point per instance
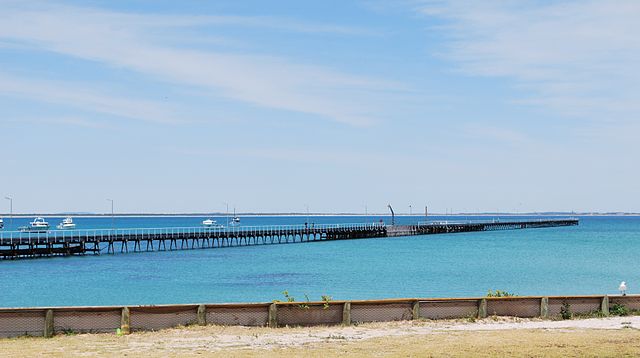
(94, 215)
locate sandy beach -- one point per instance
(615, 336)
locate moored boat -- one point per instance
(235, 220)
(210, 223)
(37, 225)
(66, 224)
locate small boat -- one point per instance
(235, 220)
(66, 224)
(211, 224)
(1, 224)
(37, 225)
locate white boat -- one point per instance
(66, 224)
(1, 224)
(211, 223)
(37, 225)
(235, 220)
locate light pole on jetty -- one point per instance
(227, 204)
(10, 211)
(113, 219)
(393, 215)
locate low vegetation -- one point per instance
(326, 299)
(499, 293)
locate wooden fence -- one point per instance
(46, 321)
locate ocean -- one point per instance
(591, 258)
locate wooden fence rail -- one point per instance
(46, 321)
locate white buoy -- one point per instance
(623, 288)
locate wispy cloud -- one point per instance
(495, 134)
(79, 97)
(130, 41)
(67, 121)
(576, 57)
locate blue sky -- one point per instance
(171, 106)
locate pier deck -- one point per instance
(14, 244)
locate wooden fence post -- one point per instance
(48, 324)
(202, 315)
(604, 306)
(346, 314)
(273, 315)
(415, 310)
(125, 321)
(544, 307)
(482, 308)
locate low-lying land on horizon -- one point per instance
(418, 215)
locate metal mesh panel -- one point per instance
(160, 317)
(85, 321)
(295, 315)
(631, 302)
(517, 307)
(576, 304)
(24, 323)
(240, 316)
(448, 309)
(380, 312)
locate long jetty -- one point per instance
(16, 244)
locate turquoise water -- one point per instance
(588, 259)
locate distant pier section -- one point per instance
(16, 245)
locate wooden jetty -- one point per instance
(15, 244)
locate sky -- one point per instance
(334, 106)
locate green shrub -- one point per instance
(618, 309)
(326, 299)
(498, 293)
(565, 310)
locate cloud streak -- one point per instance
(83, 99)
(578, 58)
(131, 42)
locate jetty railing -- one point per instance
(28, 244)
(187, 230)
(494, 221)
(46, 321)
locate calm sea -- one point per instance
(591, 258)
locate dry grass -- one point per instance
(402, 341)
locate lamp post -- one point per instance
(227, 205)
(410, 210)
(307, 206)
(393, 215)
(113, 219)
(10, 211)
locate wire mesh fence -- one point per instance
(309, 314)
(238, 315)
(39, 321)
(159, 317)
(514, 307)
(22, 323)
(574, 305)
(381, 312)
(91, 321)
(447, 309)
(630, 302)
